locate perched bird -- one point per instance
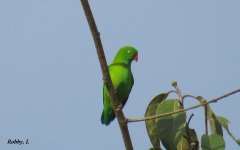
(122, 79)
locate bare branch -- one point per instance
(186, 109)
(106, 77)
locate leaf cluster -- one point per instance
(173, 130)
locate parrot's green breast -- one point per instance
(122, 79)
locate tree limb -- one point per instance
(106, 76)
(183, 110)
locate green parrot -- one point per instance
(122, 79)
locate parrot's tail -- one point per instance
(107, 117)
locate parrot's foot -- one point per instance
(119, 107)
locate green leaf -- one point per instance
(215, 126)
(194, 139)
(189, 141)
(212, 142)
(171, 127)
(224, 122)
(183, 144)
(151, 125)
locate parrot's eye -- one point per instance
(129, 52)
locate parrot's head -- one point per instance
(126, 54)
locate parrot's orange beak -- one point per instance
(136, 58)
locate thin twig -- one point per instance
(206, 118)
(199, 98)
(191, 96)
(106, 77)
(183, 110)
(179, 93)
(172, 91)
(188, 137)
(189, 120)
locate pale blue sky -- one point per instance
(51, 82)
